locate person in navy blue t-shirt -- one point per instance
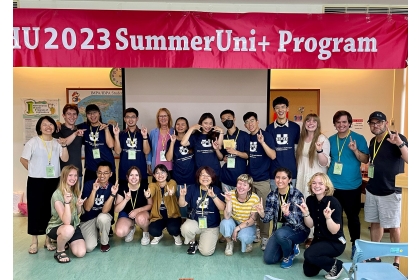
(286, 137)
(234, 153)
(205, 137)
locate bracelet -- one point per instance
(66, 202)
(307, 215)
(402, 145)
(64, 146)
(213, 197)
(113, 195)
(239, 226)
(145, 138)
(320, 151)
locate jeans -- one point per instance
(245, 235)
(280, 244)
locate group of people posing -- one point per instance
(209, 181)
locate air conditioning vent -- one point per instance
(15, 4)
(366, 10)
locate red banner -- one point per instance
(171, 39)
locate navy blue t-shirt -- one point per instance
(89, 136)
(229, 176)
(285, 139)
(207, 207)
(203, 152)
(259, 163)
(101, 197)
(128, 141)
(183, 168)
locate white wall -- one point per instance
(191, 92)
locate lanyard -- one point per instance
(164, 141)
(135, 200)
(375, 151)
(285, 199)
(227, 136)
(132, 140)
(202, 205)
(94, 135)
(341, 150)
(49, 153)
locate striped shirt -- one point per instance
(242, 210)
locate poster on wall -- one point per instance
(33, 109)
(358, 124)
(109, 101)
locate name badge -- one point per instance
(162, 156)
(202, 222)
(96, 153)
(50, 171)
(371, 170)
(230, 162)
(338, 168)
(131, 154)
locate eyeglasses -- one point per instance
(376, 123)
(160, 173)
(103, 173)
(205, 176)
(162, 117)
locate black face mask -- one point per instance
(228, 124)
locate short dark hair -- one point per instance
(131, 110)
(285, 170)
(105, 163)
(341, 113)
(164, 169)
(249, 115)
(181, 118)
(209, 171)
(93, 107)
(38, 124)
(280, 100)
(227, 111)
(70, 107)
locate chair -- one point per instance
(358, 270)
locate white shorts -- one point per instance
(385, 210)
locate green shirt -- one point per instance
(55, 220)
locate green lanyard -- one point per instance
(135, 200)
(341, 150)
(375, 151)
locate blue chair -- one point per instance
(358, 270)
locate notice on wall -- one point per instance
(357, 124)
(33, 109)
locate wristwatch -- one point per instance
(402, 145)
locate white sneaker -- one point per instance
(229, 248)
(145, 240)
(264, 243)
(248, 248)
(257, 236)
(178, 240)
(156, 240)
(130, 235)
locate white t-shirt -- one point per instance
(36, 153)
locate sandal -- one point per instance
(396, 265)
(61, 255)
(50, 247)
(33, 249)
(308, 243)
(373, 260)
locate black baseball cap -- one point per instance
(377, 115)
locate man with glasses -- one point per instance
(98, 206)
(348, 150)
(388, 152)
(261, 153)
(133, 145)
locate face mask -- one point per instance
(228, 124)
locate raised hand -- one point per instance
(260, 137)
(215, 145)
(173, 137)
(96, 185)
(259, 207)
(183, 190)
(127, 195)
(303, 207)
(116, 129)
(227, 195)
(352, 144)
(284, 207)
(394, 138)
(328, 211)
(102, 126)
(147, 193)
(68, 197)
(114, 188)
(218, 129)
(171, 191)
(318, 145)
(80, 201)
(61, 141)
(210, 191)
(143, 131)
(80, 132)
(197, 127)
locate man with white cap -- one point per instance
(388, 152)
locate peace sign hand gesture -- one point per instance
(80, 201)
(284, 207)
(114, 188)
(96, 185)
(260, 137)
(303, 207)
(116, 129)
(328, 211)
(352, 144)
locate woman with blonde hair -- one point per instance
(159, 137)
(66, 206)
(312, 156)
(323, 212)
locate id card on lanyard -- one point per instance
(231, 158)
(202, 221)
(132, 148)
(371, 168)
(49, 169)
(338, 166)
(95, 136)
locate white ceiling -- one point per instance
(277, 2)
